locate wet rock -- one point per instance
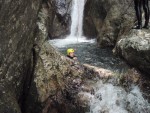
(107, 20)
(88, 88)
(101, 72)
(8, 102)
(61, 7)
(132, 76)
(135, 49)
(83, 100)
(17, 30)
(58, 12)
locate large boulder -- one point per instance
(58, 22)
(108, 19)
(17, 33)
(134, 47)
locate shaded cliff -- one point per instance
(17, 35)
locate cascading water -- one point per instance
(114, 99)
(76, 32)
(77, 18)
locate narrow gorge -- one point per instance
(112, 75)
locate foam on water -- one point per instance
(114, 99)
(70, 40)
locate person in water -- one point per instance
(138, 4)
(70, 54)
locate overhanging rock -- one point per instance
(135, 48)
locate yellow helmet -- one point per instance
(70, 50)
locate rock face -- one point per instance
(108, 19)
(135, 48)
(58, 22)
(17, 30)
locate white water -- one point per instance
(114, 99)
(77, 18)
(76, 32)
(60, 43)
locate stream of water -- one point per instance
(114, 99)
(108, 98)
(77, 18)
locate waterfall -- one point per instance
(76, 31)
(77, 18)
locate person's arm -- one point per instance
(75, 58)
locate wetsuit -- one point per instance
(138, 5)
(71, 57)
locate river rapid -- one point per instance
(109, 96)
